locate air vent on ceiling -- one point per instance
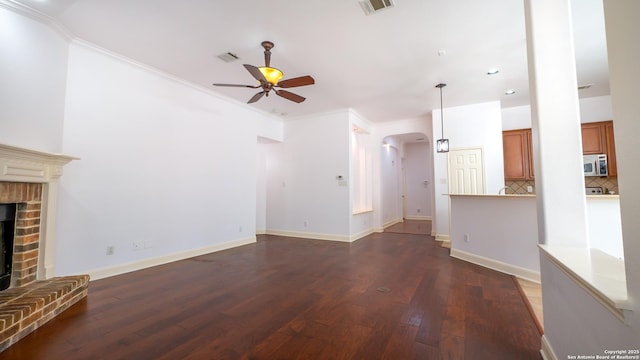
(586, 86)
(228, 57)
(373, 6)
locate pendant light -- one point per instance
(442, 145)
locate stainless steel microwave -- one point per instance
(595, 165)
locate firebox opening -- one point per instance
(7, 230)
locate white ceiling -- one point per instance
(384, 66)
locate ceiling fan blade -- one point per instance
(256, 97)
(289, 96)
(256, 73)
(236, 85)
(298, 81)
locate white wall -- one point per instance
(604, 226)
(391, 189)
(592, 109)
(417, 180)
(162, 162)
(502, 233)
(33, 72)
(361, 224)
(302, 185)
(506, 237)
(261, 188)
(466, 126)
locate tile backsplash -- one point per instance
(607, 183)
(519, 187)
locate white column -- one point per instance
(623, 28)
(557, 142)
(46, 265)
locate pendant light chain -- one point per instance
(442, 144)
(441, 115)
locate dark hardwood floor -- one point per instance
(386, 296)
(419, 227)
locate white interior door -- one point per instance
(466, 171)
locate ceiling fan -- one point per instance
(269, 79)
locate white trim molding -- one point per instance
(510, 269)
(25, 10)
(417, 217)
(442, 237)
(547, 351)
(30, 166)
(391, 223)
(309, 235)
(119, 269)
(360, 235)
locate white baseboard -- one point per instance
(309, 235)
(165, 259)
(261, 231)
(391, 223)
(361, 234)
(417, 217)
(442, 237)
(503, 267)
(547, 351)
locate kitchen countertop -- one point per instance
(600, 197)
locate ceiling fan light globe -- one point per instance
(272, 75)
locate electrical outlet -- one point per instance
(466, 238)
(111, 250)
(137, 245)
(306, 223)
(239, 228)
(418, 211)
(529, 188)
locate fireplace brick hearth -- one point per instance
(29, 179)
(24, 309)
(28, 303)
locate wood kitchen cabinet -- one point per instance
(597, 138)
(593, 138)
(611, 149)
(518, 154)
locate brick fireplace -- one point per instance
(28, 198)
(29, 179)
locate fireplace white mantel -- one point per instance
(31, 166)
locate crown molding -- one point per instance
(165, 75)
(39, 16)
(70, 37)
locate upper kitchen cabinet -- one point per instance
(593, 138)
(611, 149)
(518, 157)
(597, 138)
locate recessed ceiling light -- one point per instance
(585, 86)
(493, 71)
(510, 92)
